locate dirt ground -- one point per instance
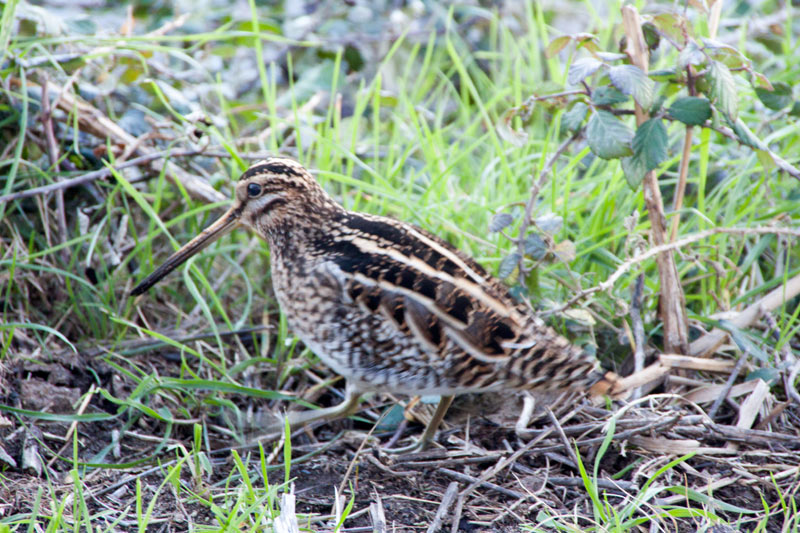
(536, 472)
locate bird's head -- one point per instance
(272, 194)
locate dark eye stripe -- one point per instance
(272, 204)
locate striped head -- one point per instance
(278, 192)
(272, 197)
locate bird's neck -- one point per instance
(294, 236)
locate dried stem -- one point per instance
(52, 151)
(638, 330)
(93, 121)
(712, 413)
(672, 302)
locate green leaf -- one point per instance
(632, 80)
(651, 36)
(582, 69)
(609, 57)
(778, 98)
(742, 340)
(723, 89)
(608, 95)
(650, 143)
(534, 246)
(691, 110)
(747, 137)
(500, 221)
(508, 265)
(573, 118)
(557, 44)
(608, 136)
(795, 111)
(634, 169)
(550, 223)
(691, 55)
(769, 375)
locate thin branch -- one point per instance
(628, 264)
(46, 117)
(727, 132)
(638, 330)
(534, 193)
(684, 167)
(105, 172)
(712, 413)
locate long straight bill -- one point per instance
(206, 237)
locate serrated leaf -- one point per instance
(633, 81)
(690, 55)
(725, 53)
(566, 251)
(691, 110)
(508, 265)
(580, 315)
(778, 98)
(723, 89)
(650, 143)
(672, 25)
(634, 169)
(534, 246)
(500, 221)
(506, 131)
(573, 118)
(582, 69)
(518, 292)
(557, 44)
(550, 223)
(651, 35)
(664, 74)
(608, 95)
(610, 56)
(608, 136)
(760, 80)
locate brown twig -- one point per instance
(672, 301)
(105, 172)
(52, 151)
(447, 500)
(638, 330)
(93, 121)
(487, 484)
(712, 413)
(568, 448)
(533, 193)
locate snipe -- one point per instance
(386, 304)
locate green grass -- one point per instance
(414, 136)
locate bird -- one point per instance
(388, 305)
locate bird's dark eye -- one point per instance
(253, 190)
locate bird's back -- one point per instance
(393, 307)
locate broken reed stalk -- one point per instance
(672, 301)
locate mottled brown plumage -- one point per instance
(387, 305)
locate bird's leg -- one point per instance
(347, 407)
(430, 429)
